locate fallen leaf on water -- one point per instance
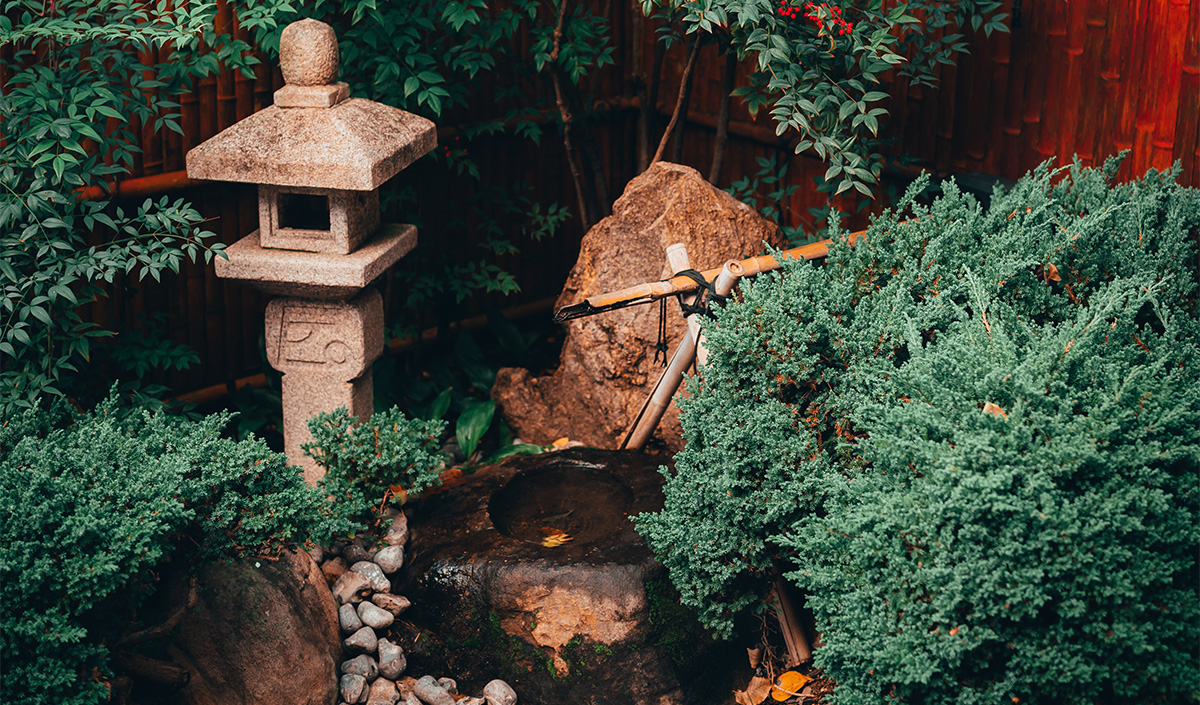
(554, 537)
(755, 693)
(789, 684)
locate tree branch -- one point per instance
(151, 669)
(161, 630)
(565, 113)
(727, 81)
(685, 84)
(648, 104)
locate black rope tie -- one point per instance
(705, 297)
(660, 348)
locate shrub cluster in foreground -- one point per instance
(97, 507)
(973, 439)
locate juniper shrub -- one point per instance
(972, 439)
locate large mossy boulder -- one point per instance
(264, 632)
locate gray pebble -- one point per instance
(372, 572)
(348, 619)
(352, 587)
(428, 690)
(449, 684)
(391, 659)
(472, 701)
(355, 552)
(499, 693)
(317, 554)
(374, 616)
(397, 532)
(351, 686)
(336, 548)
(364, 666)
(361, 641)
(383, 692)
(392, 603)
(412, 699)
(390, 559)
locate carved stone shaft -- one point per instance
(324, 350)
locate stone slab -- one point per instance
(312, 96)
(337, 341)
(316, 275)
(355, 145)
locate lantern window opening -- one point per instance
(304, 211)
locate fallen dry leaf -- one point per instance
(755, 693)
(554, 537)
(561, 442)
(399, 493)
(995, 410)
(1050, 274)
(789, 684)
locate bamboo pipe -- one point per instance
(644, 425)
(139, 187)
(652, 291)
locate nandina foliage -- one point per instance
(972, 439)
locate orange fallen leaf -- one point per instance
(995, 410)
(561, 442)
(1051, 273)
(789, 684)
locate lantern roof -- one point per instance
(315, 135)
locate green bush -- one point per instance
(972, 439)
(366, 464)
(95, 504)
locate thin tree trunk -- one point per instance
(685, 85)
(681, 127)
(589, 152)
(649, 108)
(564, 112)
(727, 80)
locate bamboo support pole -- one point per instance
(643, 427)
(789, 623)
(677, 261)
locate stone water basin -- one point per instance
(589, 620)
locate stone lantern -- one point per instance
(318, 157)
